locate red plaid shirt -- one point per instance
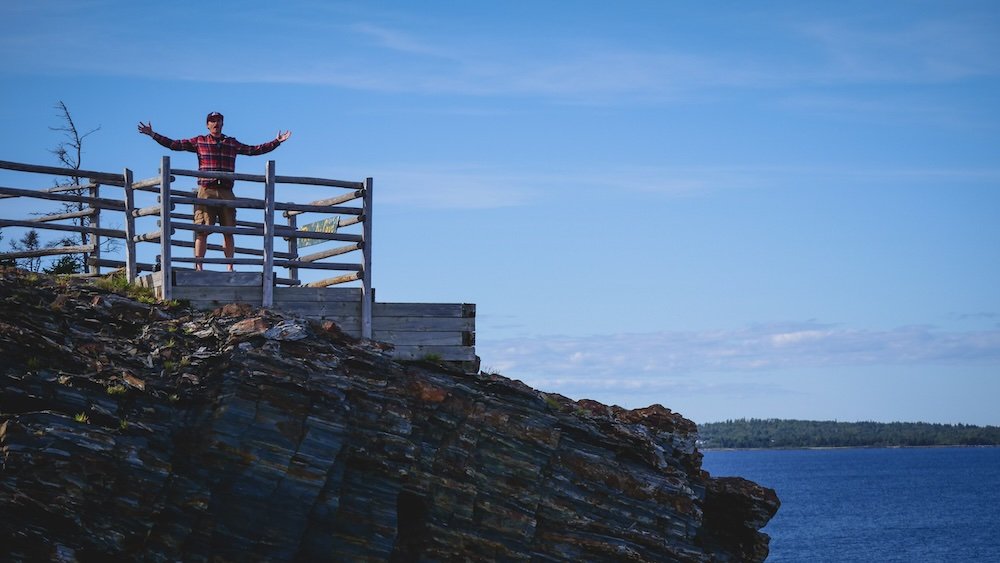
(215, 155)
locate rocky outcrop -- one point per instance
(135, 431)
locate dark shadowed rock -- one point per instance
(143, 432)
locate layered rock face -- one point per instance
(131, 431)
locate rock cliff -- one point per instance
(141, 431)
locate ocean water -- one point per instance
(843, 505)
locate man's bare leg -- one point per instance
(199, 249)
(228, 247)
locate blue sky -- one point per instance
(769, 209)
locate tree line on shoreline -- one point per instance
(777, 433)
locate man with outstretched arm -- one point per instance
(216, 153)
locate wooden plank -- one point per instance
(240, 202)
(222, 175)
(337, 280)
(111, 233)
(317, 294)
(61, 216)
(329, 201)
(219, 229)
(423, 324)
(459, 310)
(345, 266)
(407, 338)
(306, 208)
(250, 295)
(285, 232)
(192, 278)
(71, 172)
(307, 309)
(446, 353)
(218, 247)
(328, 253)
(55, 250)
(318, 182)
(241, 261)
(103, 203)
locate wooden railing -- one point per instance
(264, 255)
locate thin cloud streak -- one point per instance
(644, 358)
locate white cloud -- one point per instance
(656, 359)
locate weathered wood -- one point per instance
(411, 338)
(111, 233)
(219, 229)
(91, 236)
(293, 246)
(317, 294)
(350, 221)
(148, 183)
(330, 309)
(111, 204)
(306, 208)
(285, 232)
(174, 192)
(452, 310)
(318, 265)
(240, 261)
(146, 211)
(323, 203)
(219, 175)
(318, 182)
(367, 298)
(53, 251)
(61, 216)
(269, 206)
(56, 171)
(336, 280)
(238, 249)
(152, 236)
(130, 264)
(240, 202)
(286, 281)
(189, 217)
(139, 266)
(445, 353)
(329, 253)
(165, 206)
(193, 278)
(250, 295)
(424, 324)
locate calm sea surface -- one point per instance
(914, 504)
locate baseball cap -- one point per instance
(213, 116)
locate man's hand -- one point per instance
(282, 137)
(146, 128)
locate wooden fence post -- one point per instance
(293, 246)
(366, 280)
(268, 275)
(166, 272)
(129, 228)
(95, 221)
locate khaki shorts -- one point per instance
(212, 214)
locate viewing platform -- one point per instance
(268, 276)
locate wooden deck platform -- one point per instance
(443, 331)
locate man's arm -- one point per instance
(265, 148)
(182, 145)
